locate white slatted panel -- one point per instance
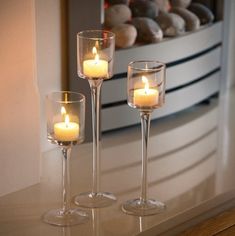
(123, 115)
(115, 90)
(193, 69)
(183, 73)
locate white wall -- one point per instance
(50, 54)
(32, 64)
(19, 103)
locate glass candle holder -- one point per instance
(65, 127)
(146, 92)
(95, 52)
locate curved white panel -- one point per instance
(172, 49)
(189, 71)
(123, 115)
(116, 90)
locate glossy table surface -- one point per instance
(191, 169)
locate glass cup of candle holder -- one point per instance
(146, 92)
(95, 52)
(65, 127)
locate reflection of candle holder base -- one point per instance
(143, 208)
(60, 218)
(95, 200)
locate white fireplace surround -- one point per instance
(192, 75)
(193, 70)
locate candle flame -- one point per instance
(66, 120)
(146, 84)
(94, 51)
(63, 111)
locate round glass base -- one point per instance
(95, 200)
(60, 218)
(143, 208)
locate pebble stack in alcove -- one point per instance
(148, 21)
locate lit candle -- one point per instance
(66, 131)
(95, 68)
(146, 97)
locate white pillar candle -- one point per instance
(146, 97)
(95, 68)
(66, 131)
(143, 98)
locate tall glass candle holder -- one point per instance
(146, 92)
(95, 52)
(65, 127)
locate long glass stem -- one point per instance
(95, 86)
(95, 222)
(66, 151)
(145, 125)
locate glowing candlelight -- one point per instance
(146, 97)
(66, 131)
(95, 68)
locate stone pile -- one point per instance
(148, 21)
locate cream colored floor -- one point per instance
(191, 169)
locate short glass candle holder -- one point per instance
(65, 127)
(146, 92)
(95, 53)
